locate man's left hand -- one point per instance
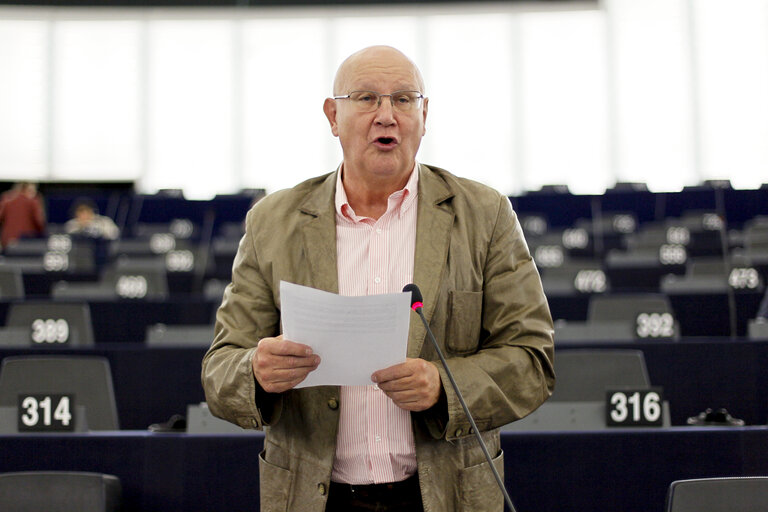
(413, 385)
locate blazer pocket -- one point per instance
(274, 486)
(478, 490)
(464, 321)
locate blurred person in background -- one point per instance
(21, 213)
(86, 221)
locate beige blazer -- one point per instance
(482, 298)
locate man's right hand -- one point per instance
(279, 365)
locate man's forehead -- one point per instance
(373, 64)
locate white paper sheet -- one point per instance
(354, 336)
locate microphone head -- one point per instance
(415, 293)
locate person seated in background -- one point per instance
(86, 221)
(21, 213)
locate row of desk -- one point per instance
(153, 383)
(624, 469)
(125, 320)
(620, 470)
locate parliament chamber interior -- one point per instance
(630, 137)
(651, 293)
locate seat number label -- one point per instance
(635, 407)
(46, 413)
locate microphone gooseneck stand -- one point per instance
(416, 305)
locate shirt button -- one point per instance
(378, 439)
(333, 404)
(378, 231)
(377, 280)
(321, 489)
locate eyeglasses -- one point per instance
(369, 101)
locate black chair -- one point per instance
(623, 317)
(162, 335)
(575, 277)
(53, 323)
(147, 280)
(583, 377)
(148, 283)
(59, 491)
(714, 275)
(726, 494)
(89, 379)
(27, 247)
(757, 329)
(11, 283)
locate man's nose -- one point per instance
(385, 112)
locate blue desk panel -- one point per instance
(622, 470)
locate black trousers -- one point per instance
(402, 496)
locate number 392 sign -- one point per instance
(46, 413)
(634, 407)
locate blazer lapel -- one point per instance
(320, 236)
(433, 236)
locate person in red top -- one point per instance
(21, 213)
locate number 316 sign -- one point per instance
(634, 407)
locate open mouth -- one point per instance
(386, 141)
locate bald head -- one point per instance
(373, 58)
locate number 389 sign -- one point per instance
(636, 407)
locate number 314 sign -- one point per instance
(46, 413)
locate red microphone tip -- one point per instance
(416, 305)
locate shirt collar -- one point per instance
(400, 201)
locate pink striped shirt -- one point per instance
(375, 440)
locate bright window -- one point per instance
(23, 99)
(96, 100)
(190, 107)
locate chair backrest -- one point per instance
(89, 379)
(147, 282)
(59, 491)
(649, 315)
(161, 335)
(571, 416)
(201, 421)
(53, 323)
(626, 307)
(27, 247)
(757, 329)
(584, 375)
(727, 494)
(575, 277)
(11, 283)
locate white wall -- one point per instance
(668, 92)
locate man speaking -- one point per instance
(381, 221)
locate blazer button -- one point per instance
(459, 432)
(333, 404)
(321, 489)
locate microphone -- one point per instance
(417, 306)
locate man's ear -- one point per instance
(424, 120)
(329, 107)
